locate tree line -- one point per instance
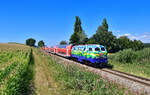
(31, 42)
(103, 37)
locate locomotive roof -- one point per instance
(63, 46)
(90, 45)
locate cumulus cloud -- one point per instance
(144, 37)
(127, 34)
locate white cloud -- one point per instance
(127, 34)
(117, 31)
(145, 36)
(133, 37)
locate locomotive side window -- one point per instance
(102, 49)
(97, 49)
(90, 49)
(84, 49)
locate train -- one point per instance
(92, 53)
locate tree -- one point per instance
(124, 42)
(137, 45)
(105, 25)
(79, 36)
(30, 42)
(104, 37)
(63, 43)
(41, 43)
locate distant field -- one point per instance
(27, 71)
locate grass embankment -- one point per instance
(66, 79)
(16, 75)
(133, 62)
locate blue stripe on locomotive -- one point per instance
(95, 60)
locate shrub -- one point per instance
(143, 56)
(126, 56)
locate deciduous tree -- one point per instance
(63, 43)
(41, 43)
(30, 42)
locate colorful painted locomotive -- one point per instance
(93, 53)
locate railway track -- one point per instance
(136, 84)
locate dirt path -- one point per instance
(44, 84)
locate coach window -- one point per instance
(90, 49)
(84, 49)
(102, 49)
(97, 49)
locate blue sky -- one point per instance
(53, 20)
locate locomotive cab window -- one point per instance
(97, 49)
(102, 49)
(90, 49)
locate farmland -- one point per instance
(27, 71)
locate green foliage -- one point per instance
(6, 72)
(79, 36)
(104, 37)
(143, 56)
(130, 56)
(41, 43)
(30, 42)
(125, 56)
(17, 72)
(63, 43)
(19, 84)
(138, 64)
(126, 43)
(137, 45)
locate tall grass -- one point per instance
(130, 56)
(133, 62)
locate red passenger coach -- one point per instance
(52, 49)
(63, 50)
(45, 48)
